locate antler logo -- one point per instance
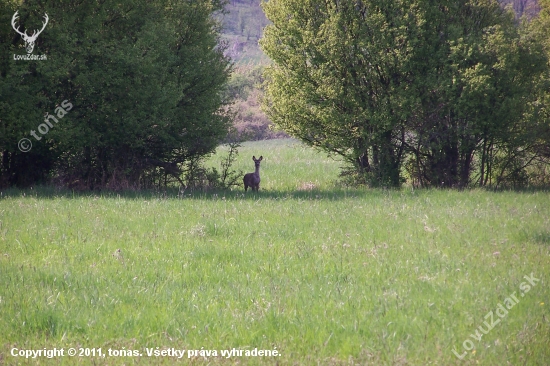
(29, 40)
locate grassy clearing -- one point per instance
(288, 167)
(324, 274)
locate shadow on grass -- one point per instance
(336, 193)
(526, 190)
(47, 192)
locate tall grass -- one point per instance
(327, 275)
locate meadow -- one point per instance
(321, 273)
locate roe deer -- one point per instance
(252, 180)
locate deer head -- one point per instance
(29, 40)
(257, 161)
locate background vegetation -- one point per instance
(145, 80)
(446, 94)
(467, 108)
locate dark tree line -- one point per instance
(145, 81)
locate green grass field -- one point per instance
(322, 274)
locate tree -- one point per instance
(523, 157)
(429, 82)
(145, 79)
(342, 80)
(478, 80)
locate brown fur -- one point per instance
(252, 180)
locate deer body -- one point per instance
(252, 180)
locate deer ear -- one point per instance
(253, 158)
(261, 157)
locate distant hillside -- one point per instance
(529, 8)
(243, 27)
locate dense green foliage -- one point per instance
(425, 90)
(539, 32)
(144, 79)
(327, 275)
